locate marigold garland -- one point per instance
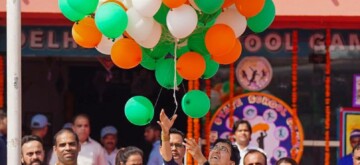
(207, 120)
(327, 98)
(231, 95)
(2, 82)
(294, 85)
(196, 120)
(189, 134)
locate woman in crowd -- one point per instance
(129, 156)
(286, 161)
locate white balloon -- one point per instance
(106, 44)
(234, 19)
(193, 4)
(127, 3)
(181, 21)
(154, 37)
(139, 27)
(147, 8)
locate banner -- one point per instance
(272, 125)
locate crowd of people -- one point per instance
(72, 145)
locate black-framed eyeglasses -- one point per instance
(220, 148)
(176, 145)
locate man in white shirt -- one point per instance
(91, 152)
(242, 133)
(109, 141)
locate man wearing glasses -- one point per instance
(172, 149)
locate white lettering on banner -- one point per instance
(23, 39)
(36, 39)
(273, 42)
(317, 42)
(51, 41)
(354, 43)
(288, 41)
(252, 43)
(68, 38)
(337, 43)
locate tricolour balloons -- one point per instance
(228, 3)
(126, 53)
(196, 42)
(191, 66)
(263, 20)
(85, 33)
(69, 12)
(173, 3)
(111, 19)
(164, 73)
(209, 7)
(219, 39)
(230, 57)
(86, 7)
(146, 8)
(193, 4)
(249, 8)
(106, 44)
(139, 110)
(153, 38)
(195, 104)
(234, 19)
(139, 27)
(148, 62)
(101, 2)
(181, 21)
(161, 14)
(211, 67)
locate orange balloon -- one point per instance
(228, 3)
(249, 8)
(231, 57)
(219, 39)
(117, 2)
(85, 33)
(173, 3)
(191, 66)
(126, 53)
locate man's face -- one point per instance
(66, 148)
(220, 154)
(109, 141)
(150, 135)
(177, 148)
(356, 157)
(242, 134)
(32, 153)
(354, 141)
(82, 128)
(255, 158)
(3, 126)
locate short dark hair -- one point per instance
(286, 160)
(356, 147)
(63, 131)
(154, 126)
(241, 121)
(81, 115)
(29, 138)
(176, 131)
(123, 154)
(252, 151)
(234, 154)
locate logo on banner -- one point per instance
(274, 128)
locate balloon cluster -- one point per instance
(178, 39)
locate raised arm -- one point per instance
(195, 151)
(165, 124)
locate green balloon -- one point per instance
(196, 42)
(180, 51)
(211, 67)
(86, 7)
(195, 104)
(69, 12)
(148, 62)
(111, 20)
(158, 52)
(164, 74)
(209, 7)
(207, 20)
(139, 110)
(161, 14)
(263, 20)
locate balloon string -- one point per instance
(158, 96)
(175, 81)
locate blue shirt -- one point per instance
(3, 150)
(155, 157)
(346, 160)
